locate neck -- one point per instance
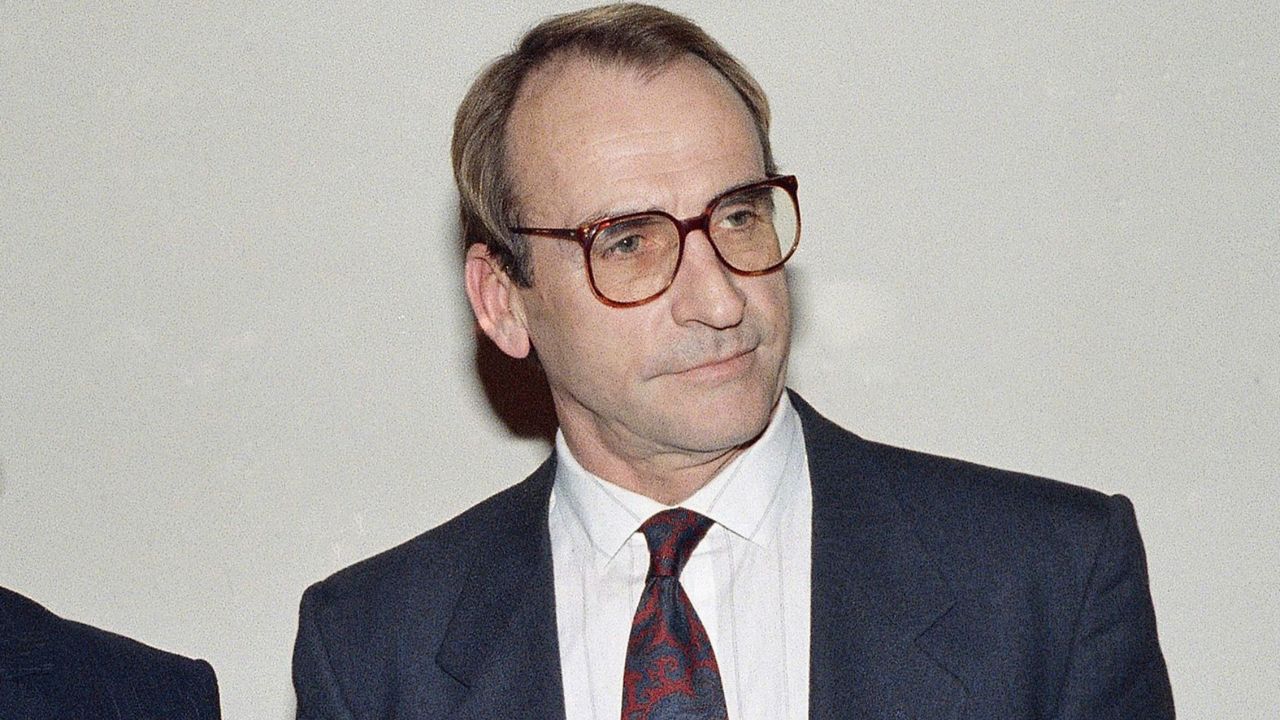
(668, 479)
(669, 476)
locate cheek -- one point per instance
(773, 302)
(555, 302)
(582, 342)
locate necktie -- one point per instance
(671, 671)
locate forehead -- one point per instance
(589, 137)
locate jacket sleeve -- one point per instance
(318, 694)
(206, 692)
(1116, 669)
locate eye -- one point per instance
(743, 210)
(738, 218)
(634, 237)
(625, 245)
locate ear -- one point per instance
(496, 302)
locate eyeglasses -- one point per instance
(633, 258)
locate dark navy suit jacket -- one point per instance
(940, 589)
(55, 669)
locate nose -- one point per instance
(704, 291)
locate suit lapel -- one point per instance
(875, 592)
(501, 643)
(876, 597)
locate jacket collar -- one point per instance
(501, 643)
(876, 594)
(876, 598)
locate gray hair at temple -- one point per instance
(628, 34)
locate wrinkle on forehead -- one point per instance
(633, 153)
(577, 118)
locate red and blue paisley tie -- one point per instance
(671, 670)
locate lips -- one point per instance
(702, 353)
(716, 361)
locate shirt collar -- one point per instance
(738, 497)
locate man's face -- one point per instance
(696, 372)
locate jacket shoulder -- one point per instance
(406, 594)
(964, 508)
(85, 666)
(363, 626)
(435, 562)
(935, 481)
(1044, 583)
(969, 491)
(133, 669)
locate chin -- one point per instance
(723, 418)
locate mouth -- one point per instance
(719, 368)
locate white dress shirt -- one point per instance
(748, 579)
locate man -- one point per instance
(625, 221)
(55, 669)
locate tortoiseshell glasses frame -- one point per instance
(753, 230)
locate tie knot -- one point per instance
(672, 535)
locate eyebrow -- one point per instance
(636, 209)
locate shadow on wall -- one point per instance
(517, 391)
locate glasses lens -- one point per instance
(635, 257)
(756, 229)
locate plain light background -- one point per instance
(235, 355)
